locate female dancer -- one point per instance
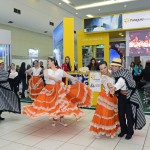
(35, 83)
(105, 120)
(52, 100)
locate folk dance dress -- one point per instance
(9, 101)
(52, 100)
(105, 120)
(35, 83)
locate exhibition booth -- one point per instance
(126, 36)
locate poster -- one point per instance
(136, 20)
(83, 78)
(95, 81)
(105, 23)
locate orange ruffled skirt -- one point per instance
(52, 101)
(105, 120)
(79, 94)
(35, 86)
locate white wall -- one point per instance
(5, 37)
(22, 40)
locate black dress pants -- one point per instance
(125, 115)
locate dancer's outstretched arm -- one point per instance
(70, 77)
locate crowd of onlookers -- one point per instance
(18, 75)
(141, 75)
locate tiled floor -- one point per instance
(18, 132)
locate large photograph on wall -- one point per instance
(105, 23)
(138, 43)
(58, 43)
(117, 50)
(92, 51)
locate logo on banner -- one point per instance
(127, 20)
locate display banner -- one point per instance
(58, 43)
(33, 52)
(136, 20)
(83, 78)
(105, 23)
(92, 79)
(95, 81)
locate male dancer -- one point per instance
(129, 105)
(9, 101)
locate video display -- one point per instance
(139, 43)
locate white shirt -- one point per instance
(56, 74)
(120, 84)
(105, 80)
(36, 72)
(13, 74)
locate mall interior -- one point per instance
(41, 40)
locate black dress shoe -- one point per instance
(128, 137)
(2, 118)
(121, 134)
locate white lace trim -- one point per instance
(103, 133)
(104, 117)
(34, 86)
(99, 126)
(54, 115)
(106, 103)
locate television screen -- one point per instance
(33, 53)
(139, 43)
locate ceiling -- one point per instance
(36, 14)
(130, 6)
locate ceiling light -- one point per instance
(125, 6)
(120, 33)
(90, 16)
(99, 9)
(66, 1)
(76, 13)
(104, 3)
(59, 3)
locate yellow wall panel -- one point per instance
(68, 25)
(92, 39)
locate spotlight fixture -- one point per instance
(90, 16)
(66, 1)
(10, 22)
